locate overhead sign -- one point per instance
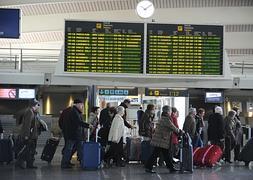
(26, 93)
(166, 92)
(8, 93)
(118, 92)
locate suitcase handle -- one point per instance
(96, 135)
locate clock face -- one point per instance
(145, 9)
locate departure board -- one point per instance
(103, 47)
(184, 49)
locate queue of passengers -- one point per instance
(227, 133)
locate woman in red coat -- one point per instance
(174, 140)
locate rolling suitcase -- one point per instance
(207, 156)
(246, 154)
(133, 148)
(146, 151)
(6, 153)
(49, 149)
(186, 154)
(91, 158)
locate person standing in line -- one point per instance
(199, 118)
(104, 118)
(140, 113)
(161, 141)
(105, 121)
(28, 135)
(146, 127)
(174, 116)
(216, 127)
(238, 134)
(229, 135)
(126, 104)
(189, 123)
(72, 127)
(93, 120)
(116, 138)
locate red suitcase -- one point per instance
(207, 156)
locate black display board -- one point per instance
(103, 47)
(166, 92)
(184, 49)
(10, 23)
(118, 92)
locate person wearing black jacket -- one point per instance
(72, 127)
(216, 128)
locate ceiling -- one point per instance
(43, 21)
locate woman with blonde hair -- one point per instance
(116, 138)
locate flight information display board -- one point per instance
(184, 49)
(103, 47)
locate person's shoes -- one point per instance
(150, 171)
(32, 167)
(228, 161)
(71, 164)
(173, 169)
(66, 166)
(247, 163)
(121, 164)
(20, 164)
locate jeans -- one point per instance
(68, 151)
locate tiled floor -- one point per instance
(235, 171)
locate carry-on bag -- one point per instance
(207, 156)
(186, 157)
(49, 149)
(146, 151)
(6, 153)
(133, 149)
(246, 154)
(91, 158)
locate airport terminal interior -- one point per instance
(179, 53)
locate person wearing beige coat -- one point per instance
(161, 141)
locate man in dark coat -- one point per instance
(104, 117)
(72, 127)
(28, 135)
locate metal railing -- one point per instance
(44, 60)
(27, 59)
(241, 64)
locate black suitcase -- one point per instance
(186, 154)
(49, 149)
(6, 153)
(246, 154)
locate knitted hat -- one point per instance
(76, 101)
